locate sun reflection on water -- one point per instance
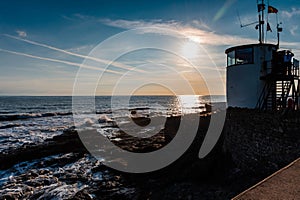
(186, 104)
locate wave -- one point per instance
(31, 115)
(104, 112)
(7, 112)
(139, 108)
(9, 126)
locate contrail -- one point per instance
(107, 62)
(58, 61)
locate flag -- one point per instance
(269, 27)
(260, 7)
(271, 9)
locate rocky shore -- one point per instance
(62, 168)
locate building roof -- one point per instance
(248, 45)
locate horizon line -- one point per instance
(109, 95)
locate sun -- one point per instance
(190, 49)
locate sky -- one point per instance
(129, 47)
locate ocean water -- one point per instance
(32, 120)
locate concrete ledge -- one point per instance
(283, 184)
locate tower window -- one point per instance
(240, 56)
(231, 58)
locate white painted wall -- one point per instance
(243, 81)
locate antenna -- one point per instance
(244, 25)
(238, 15)
(279, 29)
(261, 8)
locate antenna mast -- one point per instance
(279, 29)
(261, 8)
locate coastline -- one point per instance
(221, 175)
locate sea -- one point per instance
(34, 119)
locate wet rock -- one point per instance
(41, 180)
(82, 194)
(55, 191)
(16, 191)
(69, 141)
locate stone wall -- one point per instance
(262, 141)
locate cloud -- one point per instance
(290, 14)
(59, 61)
(294, 30)
(107, 62)
(79, 17)
(127, 24)
(21, 33)
(291, 17)
(83, 17)
(200, 25)
(81, 49)
(196, 30)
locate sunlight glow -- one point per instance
(187, 102)
(190, 49)
(195, 38)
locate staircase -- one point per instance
(265, 99)
(282, 93)
(274, 95)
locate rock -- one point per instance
(69, 141)
(55, 191)
(82, 195)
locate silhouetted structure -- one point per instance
(261, 75)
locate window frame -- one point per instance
(234, 52)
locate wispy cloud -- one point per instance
(294, 30)
(131, 24)
(59, 61)
(196, 30)
(107, 62)
(83, 48)
(202, 33)
(290, 14)
(21, 33)
(200, 25)
(79, 17)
